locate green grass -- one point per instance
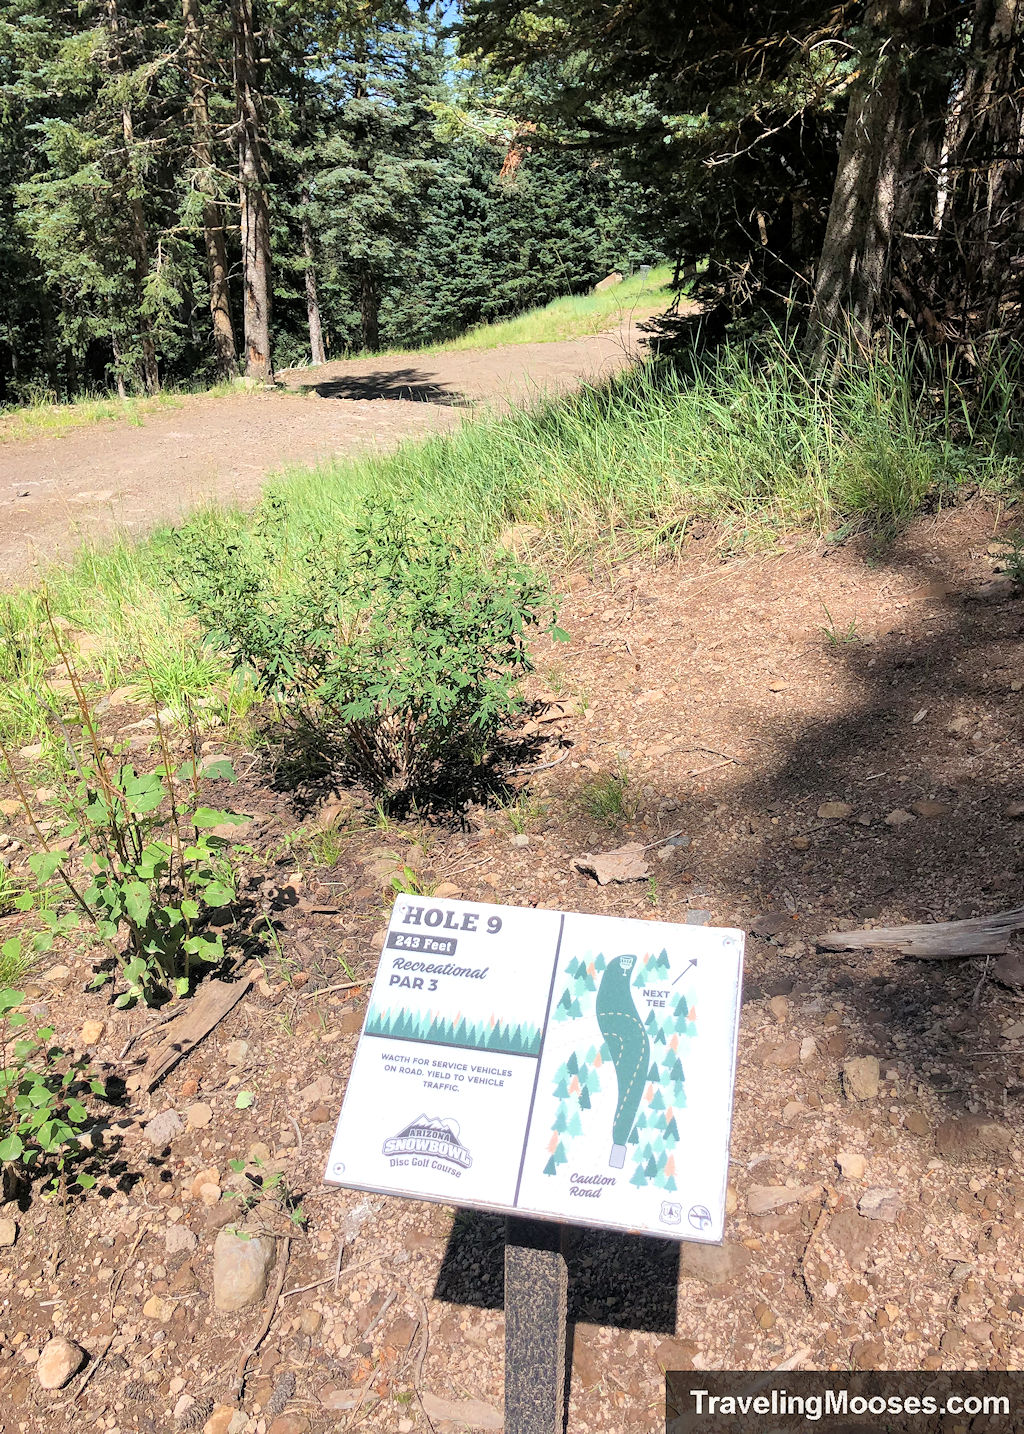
(608, 798)
(575, 316)
(49, 419)
(750, 440)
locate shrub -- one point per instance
(148, 871)
(43, 1096)
(406, 646)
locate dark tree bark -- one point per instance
(224, 350)
(252, 188)
(369, 308)
(855, 253)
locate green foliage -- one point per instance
(45, 1096)
(406, 645)
(150, 871)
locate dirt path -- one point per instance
(96, 481)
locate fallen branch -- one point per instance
(937, 941)
(213, 1002)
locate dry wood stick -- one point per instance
(268, 1319)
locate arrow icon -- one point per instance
(683, 972)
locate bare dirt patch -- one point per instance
(113, 477)
(781, 756)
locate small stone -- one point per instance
(55, 973)
(808, 1049)
(60, 1359)
(204, 1177)
(800, 843)
(978, 1331)
(258, 1153)
(521, 839)
(8, 1231)
(236, 1052)
(471, 1413)
(852, 1235)
(219, 1421)
(448, 889)
(319, 1115)
(861, 1078)
(162, 1129)
(785, 1056)
(917, 1124)
(311, 1320)
(713, 1264)
(931, 809)
(971, 1137)
(91, 1033)
(898, 818)
(779, 1007)
(156, 1307)
(199, 1116)
(180, 1240)
(31, 753)
(765, 1316)
(879, 1204)
(835, 811)
(952, 1340)
(209, 1193)
(851, 1164)
(289, 1424)
(763, 1199)
(241, 1268)
(1014, 810)
(868, 1354)
(10, 808)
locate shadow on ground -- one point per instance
(412, 384)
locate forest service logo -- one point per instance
(428, 1136)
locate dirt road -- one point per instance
(117, 477)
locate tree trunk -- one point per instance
(316, 332)
(252, 181)
(369, 307)
(855, 251)
(137, 217)
(224, 350)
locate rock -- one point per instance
(289, 1424)
(868, 1354)
(473, 1413)
(1014, 810)
(972, 1137)
(998, 590)
(713, 1264)
(800, 843)
(156, 1307)
(851, 1164)
(180, 1240)
(521, 840)
(931, 809)
(676, 1354)
(765, 1316)
(231, 831)
(448, 889)
(608, 282)
(917, 1123)
(235, 1053)
(241, 1268)
(898, 818)
(861, 1078)
(8, 1231)
(91, 1032)
(808, 1049)
(779, 1007)
(763, 1199)
(162, 1129)
(60, 1359)
(339, 1400)
(209, 1193)
(318, 1092)
(879, 1204)
(31, 753)
(211, 1176)
(852, 1235)
(199, 1116)
(773, 924)
(835, 811)
(56, 973)
(785, 1056)
(224, 1420)
(10, 808)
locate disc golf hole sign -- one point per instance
(547, 1064)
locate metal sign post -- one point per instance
(536, 1286)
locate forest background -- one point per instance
(188, 192)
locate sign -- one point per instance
(548, 1064)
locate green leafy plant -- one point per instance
(44, 1096)
(149, 871)
(524, 812)
(407, 648)
(408, 882)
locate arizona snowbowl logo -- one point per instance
(427, 1136)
